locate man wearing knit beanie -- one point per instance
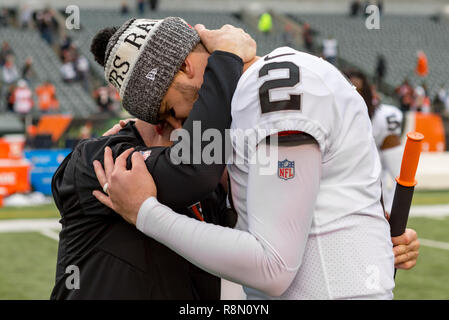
(158, 65)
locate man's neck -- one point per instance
(150, 136)
(146, 131)
(250, 63)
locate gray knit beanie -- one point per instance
(142, 58)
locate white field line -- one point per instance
(27, 225)
(430, 211)
(434, 244)
(50, 234)
(46, 227)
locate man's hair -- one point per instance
(365, 91)
(199, 48)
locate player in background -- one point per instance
(387, 123)
(318, 232)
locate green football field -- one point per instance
(28, 259)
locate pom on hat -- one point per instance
(100, 42)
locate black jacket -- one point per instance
(115, 260)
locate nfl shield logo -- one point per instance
(286, 169)
(145, 154)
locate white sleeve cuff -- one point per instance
(144, 211)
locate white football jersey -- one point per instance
(387, 120)
(348, 253)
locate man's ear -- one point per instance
(188, 67)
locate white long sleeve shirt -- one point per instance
(268, 255)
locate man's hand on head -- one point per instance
(124, 190)
(230, 39)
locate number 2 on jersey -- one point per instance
(294, 103)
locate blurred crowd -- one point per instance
(75, 66)
(18, 83)
(140, 6)
(359, 8)
(22, 90)
(410, 97)
(416, 98)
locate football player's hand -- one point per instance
(228, 38)
(116, 128)
(406, 249)
(126, 189)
